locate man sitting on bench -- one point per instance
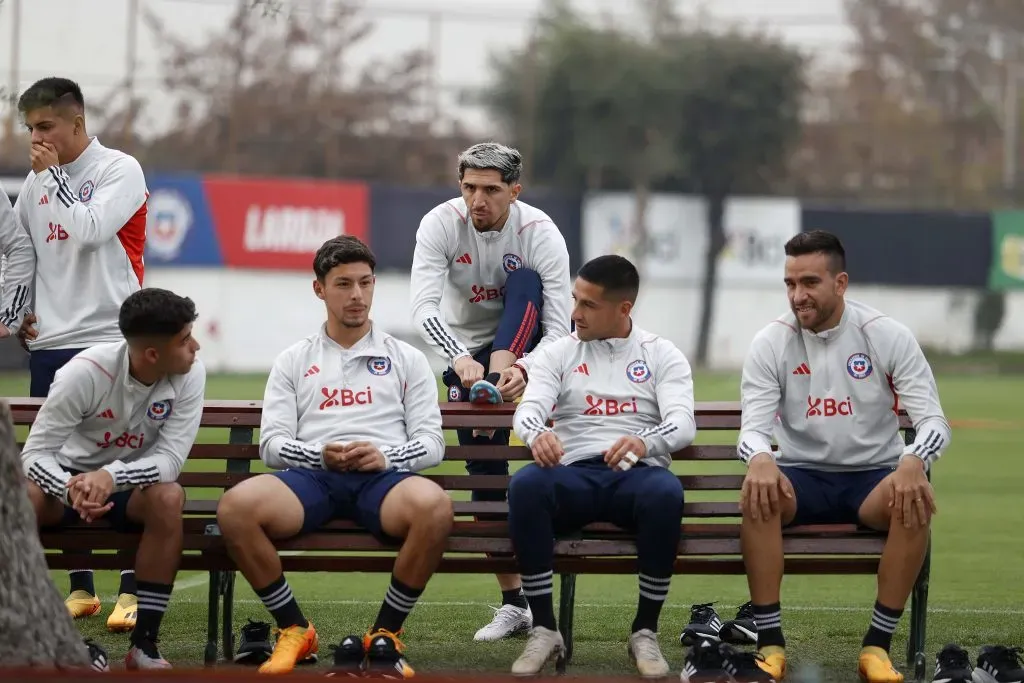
(349, 414)
(827, 379)
(621, 400)
(111, 438)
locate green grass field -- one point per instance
(977, 583)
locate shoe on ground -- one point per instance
(644, 651)
(385, 656)
(349, 658)
(98, 660)
(82, 604)
(875, 666)
(704, 664)
(508, 621)
(953, 665)
(705, 624)
(254, 646)
(742, 630)
(144, 656)
(744, 666)
(293, 645)
(772, 661)
(122, 617)
(999, 664)
(542, 646)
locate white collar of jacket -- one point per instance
(371, 345)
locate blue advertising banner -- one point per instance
(909, 248)
(396, 211)
(179, 226)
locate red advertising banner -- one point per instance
(279, 224)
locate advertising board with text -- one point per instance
(756, 230)
(280, 223)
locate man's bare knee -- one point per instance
(48, 509)
(263, 502)
(161, 504)
(784, 513)
(420, 504)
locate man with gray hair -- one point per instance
(504, 267)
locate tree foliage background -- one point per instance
(924, 112)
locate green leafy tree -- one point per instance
(601, 107)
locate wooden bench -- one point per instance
(710, 539)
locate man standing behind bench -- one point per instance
(827, 379)
(84, 207)
(111, 438)
(623, 402)
(349, 414)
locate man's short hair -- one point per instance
(340, 250)
(819, 242)
(155, 312)
(616, 275)
(51, 92)
(493, 156)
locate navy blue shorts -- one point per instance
(356, 496)
(117, 516)
(831, 497)
(43, 365)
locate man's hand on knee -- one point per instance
(912, 498)
(763, 489)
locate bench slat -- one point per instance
(494, 508)
(485, 565)
(364, 542)
(465, 482)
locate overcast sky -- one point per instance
(87, 39)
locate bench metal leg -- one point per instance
(566, 608)
(916, 658)
(212, 612)
(227, 586)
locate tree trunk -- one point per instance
(35, 627)
(716, 243)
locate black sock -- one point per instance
(653, 592)
(153, 600)
(768, 619)
(515, 597)
(278, 599)
(398, 602)
(127, 582)
(539, 589)
(81, 580)
(883, 622)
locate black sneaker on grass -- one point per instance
(704, 624)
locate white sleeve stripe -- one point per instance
(411, 446)
(410, 454)
(11, 312)
(46, 480)
(435, 329)
(135, 477)
(930, 447)
(295, 454)
(63, 191)
(296, 449)
(663, 429)
(535, 425)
